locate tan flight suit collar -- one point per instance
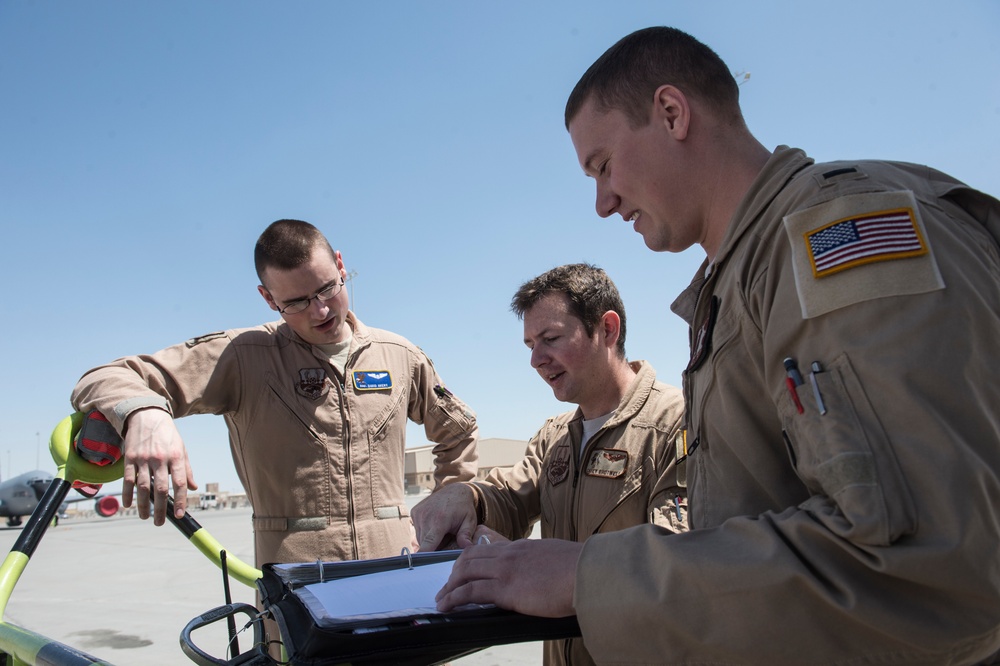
(362, 336)
(632, 400)
(635, 395)
(783, 164)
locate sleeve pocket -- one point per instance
(846, 458)
(453, 415)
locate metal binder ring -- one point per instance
(409, 558)
(319, 563)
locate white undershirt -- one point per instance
(591, 426)
(338, 351)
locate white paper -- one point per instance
(382, 595)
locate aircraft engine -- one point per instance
(106, 506)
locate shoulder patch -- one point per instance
(557, 465)
(205, 338)
(312, 383)
(850, 250)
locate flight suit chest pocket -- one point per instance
(384, 408)
(285, 408)
(282, 445)
(386, 444)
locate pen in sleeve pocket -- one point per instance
(793, 380)
(816, 369)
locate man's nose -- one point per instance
(607, 201)
(538, 358)
(320, 309)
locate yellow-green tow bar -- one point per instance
(27, 648)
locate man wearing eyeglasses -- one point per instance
(316, 406)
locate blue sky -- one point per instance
(144, 146)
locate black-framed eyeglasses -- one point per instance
(301, 305)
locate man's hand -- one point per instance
(491, 536)
(529, 576)
(449, 511)
(155, 455)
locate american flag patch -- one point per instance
(890, 234)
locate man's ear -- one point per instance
(267, 297)
(611, 325)
(672, 108)
(340, 264)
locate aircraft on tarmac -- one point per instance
(19, 497)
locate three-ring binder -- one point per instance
(306, 601)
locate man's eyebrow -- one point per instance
(545, 332)
(312, 295)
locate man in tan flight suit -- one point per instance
(843, 456)
(316, 406)
(605, 466)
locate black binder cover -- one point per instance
(415, 639)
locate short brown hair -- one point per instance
(590, 291)
(625, 77)
(287, 244)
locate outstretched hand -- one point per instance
(155, 456)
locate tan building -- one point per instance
(493, 452)
(212, 498)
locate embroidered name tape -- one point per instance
(608, 463)
(853, 241)
(372, 380)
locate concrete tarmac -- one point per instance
(122, 589)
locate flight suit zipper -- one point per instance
(702, 323)
(579, 457)
(345, 413)
(574, 504)
(348, 465)
(700, 341)
(345, 416)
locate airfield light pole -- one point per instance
(351, 274)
